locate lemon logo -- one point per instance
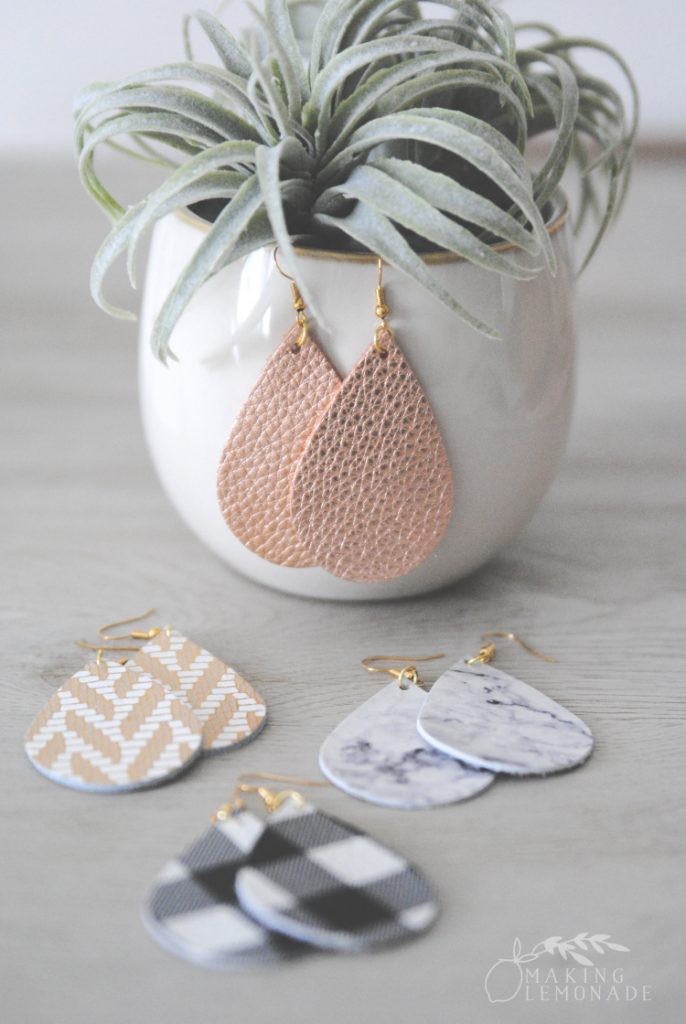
(504, 979)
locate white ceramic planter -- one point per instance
(503, 406)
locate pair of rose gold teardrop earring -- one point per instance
(350, 475)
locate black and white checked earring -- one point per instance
(492, 720)
(192, 909)
(326, 883)
(259, 891)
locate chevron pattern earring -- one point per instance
(112, 728)
(120, 725)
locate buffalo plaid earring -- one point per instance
(254, 891)
(323, 882)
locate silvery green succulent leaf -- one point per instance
(376, 232)
(363, 124)
(219, 240)
(446, 194)
(228, 49)
(400, 203)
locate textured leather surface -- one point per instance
(264, 445)
(113, 727)
(228, 708)
(373, 491)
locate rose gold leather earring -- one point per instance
(259, 457)
(372, 494)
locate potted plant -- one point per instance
(344, 131)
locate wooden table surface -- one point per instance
(597, 580)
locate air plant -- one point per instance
(379, 129)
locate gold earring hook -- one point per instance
(101, 648)
(136, 634)
(272, 799)
(408, 674)
(111, 638)
(275, 255)
(488, 651)
(298, 303)
(383, 334)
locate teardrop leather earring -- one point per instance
(259, 457)
(252, 891)
(192, 909)
(491, 720)
(376, 753)
(230, 711)
(321, 881)
(373, 493)
(113, 727)
(120, 725)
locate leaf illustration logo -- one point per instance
(505, 978)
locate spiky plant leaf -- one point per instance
(377, 234)
(374, 128)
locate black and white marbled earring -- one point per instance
(492, 720)
(377, 754)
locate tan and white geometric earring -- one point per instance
(257, 463)
(230, 711)
(118, 726)
(112, 728)
(372, 493)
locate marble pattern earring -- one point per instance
(377, 754)
(492, 720)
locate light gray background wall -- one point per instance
(51, 49)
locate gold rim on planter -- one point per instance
(552, 228)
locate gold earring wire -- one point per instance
(298, 303)
(272, 799)
(101, 648)
(406, 675)
(135, 634)
(488, 650)
(383, 333)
